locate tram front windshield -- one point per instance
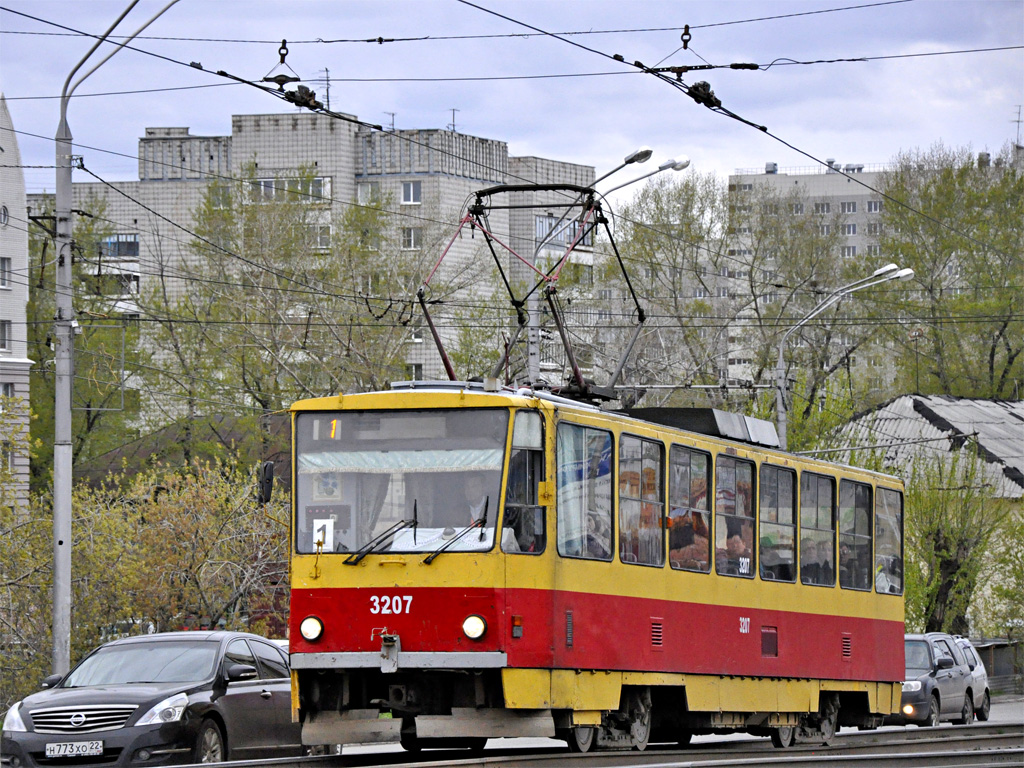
(430, 474)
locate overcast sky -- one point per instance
(557, 99)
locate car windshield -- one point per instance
(146, 662)
(427, 474)
(918, 660)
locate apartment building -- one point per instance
(14, 364)
(428, 175)
(847, 213)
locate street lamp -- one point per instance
(880, 275)
(641, 155)
(669, 165)
(64, 329)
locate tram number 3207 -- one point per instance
(744, 625)
(390, 604)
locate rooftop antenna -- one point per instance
(392, 116)
(327, 94)
(451, 126)
(1017, 121)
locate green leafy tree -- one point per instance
(963, 327)
(103, 406)
(951, 524)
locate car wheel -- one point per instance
(967, 713)
(932, 721)
(210, 744)
(986, 706)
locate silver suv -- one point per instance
(979, 679)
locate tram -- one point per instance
(472, 561)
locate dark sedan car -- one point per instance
(176, 697)
(937, 685)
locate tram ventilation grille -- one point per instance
(657, 633)
(847, 647)
(568, 629)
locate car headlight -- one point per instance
(311, 628)
(912, 686)
(12, 720)
(474, 626)
(167, 711)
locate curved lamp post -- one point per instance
(880, 275)
(65, 326)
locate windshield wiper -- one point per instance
(480, 522)
(379, 539)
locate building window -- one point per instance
(850, 207)
(825, 229)
(849, 229)
(875, 228)
(746, 187)
(6, 392)
(723, 293)
(367, 192)
(848, 251)
(551, 230)
(5, 272)
(797, 209)
(823, 207)
(412, 238)
(4, 216)
(414, 371)
(5, 335)
(874, 206)
(120, 247)
(7, 457)
(320, 235)
(874, 250)
(412, 192)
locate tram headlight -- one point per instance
(474, 627)
(311, 628)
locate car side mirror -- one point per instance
(944, 662)
(238, 672)
(971, 666)
(50, 681)
(265, 482)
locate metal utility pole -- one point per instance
(65, 326)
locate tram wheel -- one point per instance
(783, 737)
(581, 738)
(829, 719)
(640, 719)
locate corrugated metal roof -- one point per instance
(916, 425)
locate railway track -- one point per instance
(974, 746)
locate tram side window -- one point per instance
(689, 537)
(523, 529)
(817, 529)
(888, 541)
(854, 535)
(584, 517)
(777, 544)
(641, 505)
(734, 517)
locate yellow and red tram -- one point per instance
(470, 564)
